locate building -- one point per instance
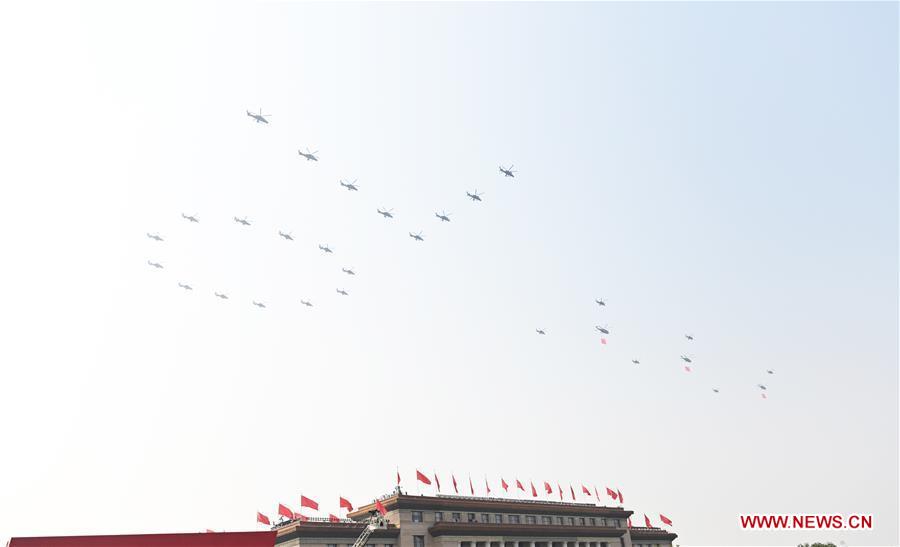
(455, 521)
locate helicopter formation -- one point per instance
(386, 213)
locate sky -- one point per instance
(727, 170)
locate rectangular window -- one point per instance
(580, 521)
(418, 541)
(593, 522)
(438, 516)
(470, 517)
(530, 519)
(571, 521)
(456, 517)
(417, 516)
(546, 520)
(559, 520)
(498, 519)
(485, 518)
(514, 519)
(332, 545)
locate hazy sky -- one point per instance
(723, 169)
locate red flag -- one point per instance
(504, 485)
(285, 512)
(487, 486)
(547, 487)
(332, 518)
(398, 477)
(611, 494)
(262, 519)
(455, 489)
(422, 478)
(664, 519)
(603, 341)
(437, 482)
(519, 485)
(471, 488)
(647, 521)
(621, 497)
(687, 368)
(345, 504)
(585, 490)
(533, 491)
(629, 522)
(596, 494)
(572, 491)
(301, 518)
(306, 502)
(559, 489)
(380, 507)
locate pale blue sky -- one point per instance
(723, 169)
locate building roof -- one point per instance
(495, 505)
(213, 539)
(642, 532)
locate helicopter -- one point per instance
(351, 186)
(260, 118)
(417, 237)
(386, 214)
(310, 156)
(475, 197)
(508, 172)
(445, 217)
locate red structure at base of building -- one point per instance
(213, 539)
